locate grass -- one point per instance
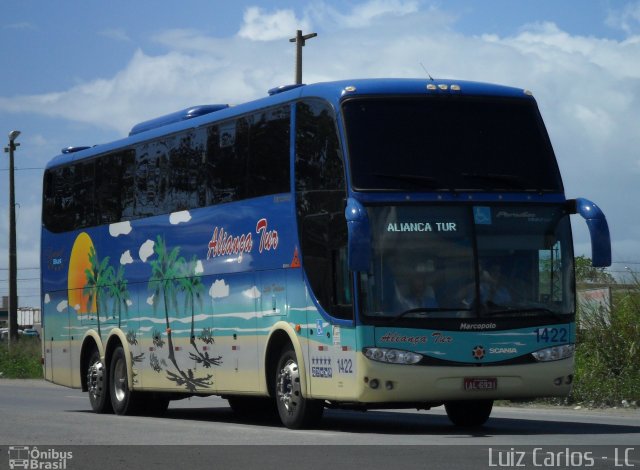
(22, 360)
(608, 353)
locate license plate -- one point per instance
(480, 384)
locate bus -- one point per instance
(360, 244)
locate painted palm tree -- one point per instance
(119, 292)
(191, 284)
(164, 273)
(98, 277)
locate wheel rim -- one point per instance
(95, 380)
(288, 386)
(120, 380)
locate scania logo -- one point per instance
(478, 352)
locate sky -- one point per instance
(83, 72)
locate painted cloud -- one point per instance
(219, 289)
(47, 298)
(179, 217)
(146, 250)
(252, 293)
(126, 257)
(62, 306)
(120, 228)
(199, 268)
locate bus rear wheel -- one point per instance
(296, 411)
(469, 413)
(97, 384)
(123, 400)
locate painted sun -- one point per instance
(77, 278)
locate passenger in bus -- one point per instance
(416, 291)
(493, 288)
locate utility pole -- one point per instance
(300, 41)
(13, 258)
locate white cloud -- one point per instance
(261, 26)
(626, 19)
(150, 300)
(62, 306)
(120, 228)
(47, 298)
(253, 293)
(126, 258)
(179, 217)
(199, 267)
(146, 250)
(219, 289)
(364, 14)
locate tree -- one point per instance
(97, 279)
(586, 273)
(164, 272)
(192, 286)
(119, 292)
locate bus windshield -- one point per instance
(468, 261)
(449, 143)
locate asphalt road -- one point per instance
(204, 433)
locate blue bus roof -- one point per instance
(333, 92)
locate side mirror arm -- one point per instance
(359, 233)
(598, 229)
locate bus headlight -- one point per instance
(392, 356)
(555, 353)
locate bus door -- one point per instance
(57, 338)
(235, 312)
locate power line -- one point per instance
(23, 169)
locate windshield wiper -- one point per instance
(410, 178)
(515, 182)
(512, 310)
(427, 310)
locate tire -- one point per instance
(123, 400)
(98, 384)
(296, 411)
(471, 413)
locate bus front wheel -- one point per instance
(469, 413)
(97, 384)
(296, 411)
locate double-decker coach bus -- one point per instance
(356, 244)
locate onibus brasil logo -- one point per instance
(41, 459)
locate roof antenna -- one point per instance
(425, 71)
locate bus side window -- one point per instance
(227, 155)
(269, 142)
(320, 202)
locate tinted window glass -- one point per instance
(439, 143)
(227, 156)
(242, 158)
(113, 186)
(269, 153)
(320, 203)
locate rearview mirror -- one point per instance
(359, 233)
(598, 229)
